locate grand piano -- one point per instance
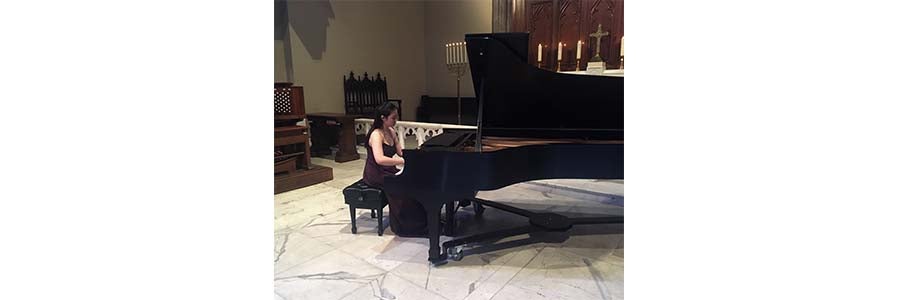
(532, 124)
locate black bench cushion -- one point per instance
(361, 195)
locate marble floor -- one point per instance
(316, 256)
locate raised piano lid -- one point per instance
(520, 100)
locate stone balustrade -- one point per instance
(422, 131)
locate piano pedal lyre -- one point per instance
(538, 223)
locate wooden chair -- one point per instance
(363, 95)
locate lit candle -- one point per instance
(452, 53)
(622, 47)
(539, 52)
(578, 51)
(455, 55)
(447, 50)
(465, 53)
(458, 54)
(559, 52)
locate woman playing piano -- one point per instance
(407, 216)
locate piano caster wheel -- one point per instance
(353, 230)
(455, 253)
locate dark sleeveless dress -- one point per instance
(407, 216)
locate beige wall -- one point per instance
(339, 36)
(449, 21)
(404, 40)
(280, 68)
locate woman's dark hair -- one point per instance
(384, 110)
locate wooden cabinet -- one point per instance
(293, 168)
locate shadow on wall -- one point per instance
(280, 19)
(309, 19)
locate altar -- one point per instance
(594, 72)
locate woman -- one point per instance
(407, 216)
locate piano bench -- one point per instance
(361, 195)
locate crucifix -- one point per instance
(599, 34)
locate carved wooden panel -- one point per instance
(567, 21)
(608, 13)
(569, 32)
(540, 24)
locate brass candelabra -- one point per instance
(459, 69)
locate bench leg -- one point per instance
(373, 214)
(380, 227)
(353, 219)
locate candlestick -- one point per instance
(559, 51)
(539, 53)
(447, 51)
(622, 47)
(578, 51)
(458, 67)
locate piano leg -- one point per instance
(479, 209)
(434, 236)
(449, 218)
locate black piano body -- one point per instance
(532, 124)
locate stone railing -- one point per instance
(422, 131)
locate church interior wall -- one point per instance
(280, 65)
(404, 40)
(449, 21)
(331, 38)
